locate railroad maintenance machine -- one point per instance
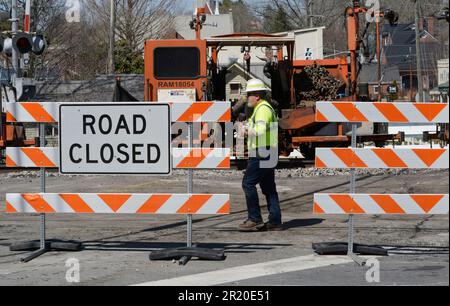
(190, 68)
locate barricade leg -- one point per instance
(339, 248)
(42, 245)
(184, 255)
(374, 204)
(350, 251)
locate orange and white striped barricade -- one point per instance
(385, 158)
(48, 112)
(382, 158)
(389, 112)
(182, 158)
(114, 203)
(83, 203)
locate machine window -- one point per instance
(177, 62)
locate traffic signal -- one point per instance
(23, 43)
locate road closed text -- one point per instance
(137, 153)
(115, 138)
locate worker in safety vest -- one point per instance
(262, 145)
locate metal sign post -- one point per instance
(190, 189)
(190, 186)
(42, 243)
(43, 174)
(350, 252)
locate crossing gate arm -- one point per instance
(183, 158)
(48, 112)
(391, 112)
(96, 203)
(381, 204)
(381, 158)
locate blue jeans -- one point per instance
(266, 180)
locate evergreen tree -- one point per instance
(276, 20)
(127, 59)
(243, 18)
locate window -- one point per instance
(376, 89)
(235, 88)
(177, 63)
(51, 130)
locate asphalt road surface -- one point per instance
(117, 246)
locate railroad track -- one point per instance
(284, 163)
(4, 169)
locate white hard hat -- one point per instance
(254, 85)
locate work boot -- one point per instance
(251, 226)
(273, 227)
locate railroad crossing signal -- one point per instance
(23, 43)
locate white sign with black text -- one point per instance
(106, 138)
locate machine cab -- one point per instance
(175, 70)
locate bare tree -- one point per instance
(137, 20)
(330, 13)
(79, 50)
(305, 13)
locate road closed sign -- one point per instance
(115, 138)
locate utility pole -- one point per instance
(310, 11)
(410, 75)
(378, 40)
(14, 28)
(112, 38)
(418, 52)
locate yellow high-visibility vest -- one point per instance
(264, 123)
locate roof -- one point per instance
(214, 25)
(300, 31)
(250, 39)
(402, 50)
(369, 74)
(256, 72)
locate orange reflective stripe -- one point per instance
(320, 117)
(430, 110)
(388, 204)
(38, 157)
(10, 208)
(317, 209)
(347, 203)
(195, 157)
(10, 118)
(77, 203)
(115, 201)
(225, 164)
(390, 158)
(350, 112)
(320, 163)
(427, 202)
(225, 209)
(390, 112)
(10, 162)
(194, 203)
(153, 204)
(429, 156)
(349, 158)
(194, 111)
(38, 203)
(226, 117)
(38, 112)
